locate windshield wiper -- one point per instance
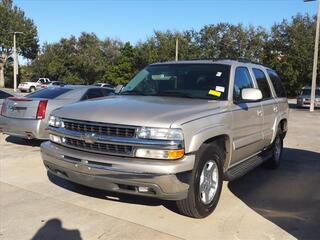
(133, 92)
(175, 94)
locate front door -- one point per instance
(247, 119)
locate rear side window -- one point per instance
(93, 93)
(262, 83)
(277, 84)
(49, 93)
(242, 80)
(107, 92)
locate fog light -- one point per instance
(55, 138)
(143, 189)
(160, 154)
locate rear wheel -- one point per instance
(32, 89)
(277, 148)
(205, 184)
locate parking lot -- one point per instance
(264, 204)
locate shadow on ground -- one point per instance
(53, 230)
(23, 141)
(111, 196)
(289, 196)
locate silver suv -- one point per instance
(174, 132)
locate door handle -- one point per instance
(259, 112)
(275, 108)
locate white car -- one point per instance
(33, 86)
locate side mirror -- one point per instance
(251, 94)
(118, 89)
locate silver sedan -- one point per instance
(28, 116)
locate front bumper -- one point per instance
(25, 128)
(155, 178)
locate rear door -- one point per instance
(269, 105)
(247, 119)
(280, 92)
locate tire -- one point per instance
(277, 149)
(210, 157)
(32, 89)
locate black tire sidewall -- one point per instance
(214, 153)
(277, 161)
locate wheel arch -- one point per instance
(222, 139)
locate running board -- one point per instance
(242, 168)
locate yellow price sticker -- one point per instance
(214, 93)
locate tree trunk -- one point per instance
(1, 75)
(3, 60)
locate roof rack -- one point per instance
(243, 60)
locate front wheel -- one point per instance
(277, 148)
(206, 183)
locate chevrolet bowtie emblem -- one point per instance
(89, 138)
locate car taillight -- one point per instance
(41, 112)
(4, 105)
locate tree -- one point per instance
(74, 60)
(12, 20)
(290, 51)
(125, 66)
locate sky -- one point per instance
(135, 20)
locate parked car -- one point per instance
(3, 96)
(175, 132)
(304, 98)
(33, 85)
(28, 116)
(106, 85)
(52, 84)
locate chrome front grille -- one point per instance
(99, 128)
(79, 130)
(112, 149)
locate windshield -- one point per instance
(308, 92)
(204, 81)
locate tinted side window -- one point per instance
(277, 84)
(262, 83)
(4, 95)
(93, 93)
(242, 80)
(49, 93)
(107, 92)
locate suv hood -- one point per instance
(147, 111)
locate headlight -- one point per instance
(55, 122)
(160, 133)
(55, 138)
(159, 154)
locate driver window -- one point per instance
(242, 80)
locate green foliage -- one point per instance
(290, 51)
(124, 67)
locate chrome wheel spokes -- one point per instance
(209, 180)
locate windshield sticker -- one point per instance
(214, 93)
(219, 89)
(219, 74)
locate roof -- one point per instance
(213, 61)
